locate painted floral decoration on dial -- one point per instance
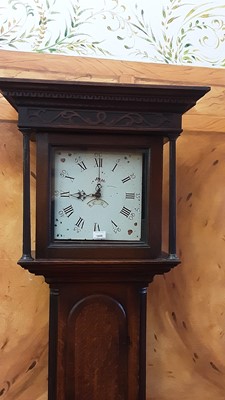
(97, 195)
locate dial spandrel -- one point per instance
(97, 195)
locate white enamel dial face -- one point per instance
(97, 195)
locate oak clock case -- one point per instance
(99, 176)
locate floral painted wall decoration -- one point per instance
(167, 31)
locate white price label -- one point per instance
(99, 235)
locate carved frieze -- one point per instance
(92, 119)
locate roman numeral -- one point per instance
(65, 194)
(96, 227)
(69, 177)
(68, 210)
(125, 211)
(130, 196)
(82, 165)
(114, 224)
(98, 162)
(64, 174)
(114, 167)
(80, 223)
(124, 180)
(115, 227)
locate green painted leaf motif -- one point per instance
(172, 19)
(83, 11)
(191, 12)
(58, 37)
(128, 47)
(205, 38)
(153, 36)
(48, 42)
(77, 24)
(141, 23)
(171, 48)
(205, 16)
(139, 28)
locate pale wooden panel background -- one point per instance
(186, 307)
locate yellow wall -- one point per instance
(186, 307)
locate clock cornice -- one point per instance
(77, 94)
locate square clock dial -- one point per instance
(97, 195)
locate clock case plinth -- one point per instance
(97, 333)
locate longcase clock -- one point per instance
(99, 156)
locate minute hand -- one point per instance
(99, 165)
(81, 195)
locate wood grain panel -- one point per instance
(23, 298)
(186, 307)
(185, 344)
(27, 65)
(97, 352)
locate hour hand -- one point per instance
(76, 195)
(80, 195)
